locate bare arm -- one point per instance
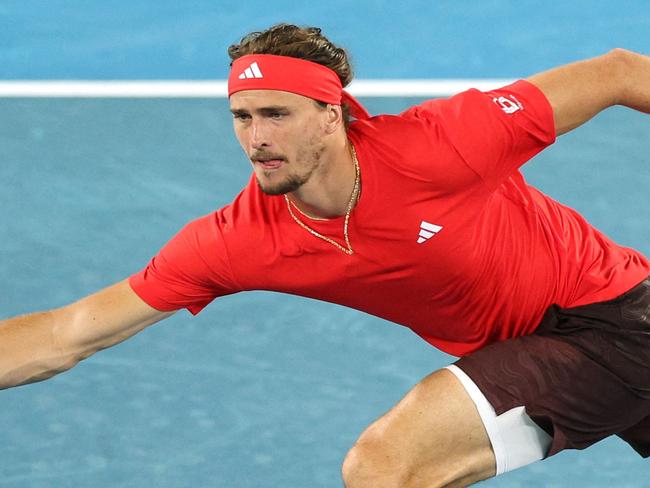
(37, 346)
(578, 91)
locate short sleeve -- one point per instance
(190, 271)
(494, 132)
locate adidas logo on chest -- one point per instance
(427, 231)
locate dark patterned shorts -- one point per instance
(583, 375)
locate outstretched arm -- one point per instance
(578, 91)
(37, 346)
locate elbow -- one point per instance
(69, 349)
(621, 61)
(620, 53)
(620, 65)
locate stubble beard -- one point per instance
(294, 181)
(289, 184)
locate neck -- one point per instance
(327, 193)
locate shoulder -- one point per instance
(517, 99)
(411, 148)
(427, 123)
(397, 136)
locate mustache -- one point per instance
(265, 156)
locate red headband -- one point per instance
(294, 75)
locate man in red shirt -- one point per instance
(423, 219)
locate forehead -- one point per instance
(253, 99)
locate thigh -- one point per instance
(433, 437)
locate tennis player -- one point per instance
(424, 219)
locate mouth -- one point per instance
(269, 163)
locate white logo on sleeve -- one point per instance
(427, 231)
(508, 104)
(253, 71)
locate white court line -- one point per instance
(218, 88)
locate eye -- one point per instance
(241, 116)
(276, 115)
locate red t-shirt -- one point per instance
(449, 239)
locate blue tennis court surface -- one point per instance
(260, 389)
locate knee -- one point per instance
(433, 437)
(379, 459)
(362, 464)
(372, 462)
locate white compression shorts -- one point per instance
(516, 440)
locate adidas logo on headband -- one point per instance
(253, 71)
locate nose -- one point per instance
(259, 134)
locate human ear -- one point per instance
(334, 118)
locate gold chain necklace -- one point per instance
(305, 215)
(355, 191)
